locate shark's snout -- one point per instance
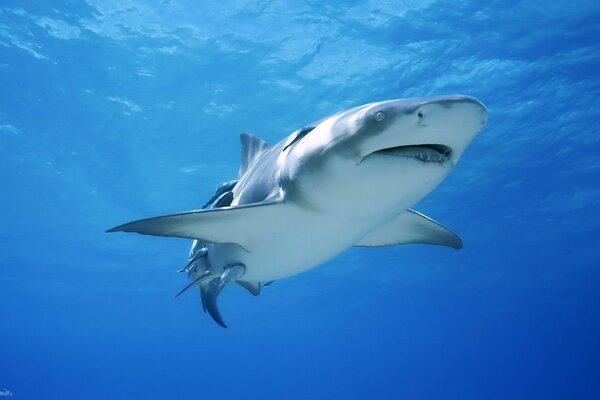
(454, 121)
(439, 110)
(429, 129)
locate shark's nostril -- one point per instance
(421, 115)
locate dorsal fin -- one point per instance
(252, 148)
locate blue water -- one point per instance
(113, 111)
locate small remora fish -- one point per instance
(346, 180)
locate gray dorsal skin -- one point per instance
(300, 202)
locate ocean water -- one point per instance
(112, 111)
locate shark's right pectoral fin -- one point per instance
(411, 227)
(238, 224)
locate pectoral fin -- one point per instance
(239, 224)
(411, 227)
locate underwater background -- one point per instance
(112, 111)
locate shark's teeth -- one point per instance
(422, 153)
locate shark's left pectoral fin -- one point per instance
(240, 224)
(411, 227)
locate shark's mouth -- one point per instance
(422, 152)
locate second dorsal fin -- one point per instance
(252, 148)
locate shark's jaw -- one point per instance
(427, 153)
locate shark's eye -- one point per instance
(379, 115)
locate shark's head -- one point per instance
(389, 153)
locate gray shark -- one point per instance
(346, 180)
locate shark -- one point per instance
(349, 179)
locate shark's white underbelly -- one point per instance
(303, 241)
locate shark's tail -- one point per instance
(211, 284)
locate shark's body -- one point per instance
(346, 180)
